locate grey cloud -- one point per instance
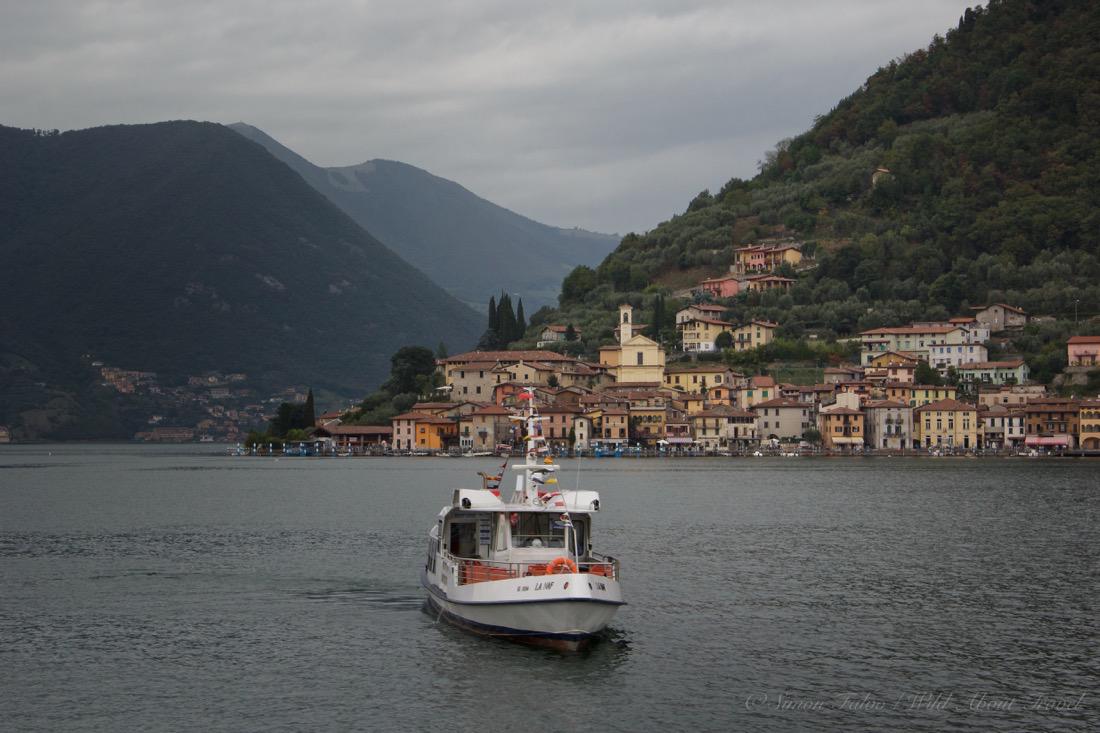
(609, 115)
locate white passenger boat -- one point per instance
(522, 569)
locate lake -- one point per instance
(167, 588)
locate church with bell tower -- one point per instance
(636, 358)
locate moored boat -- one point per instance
(522, 569)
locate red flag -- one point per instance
(523, 396)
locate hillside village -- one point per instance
(929, 386)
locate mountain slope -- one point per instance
(181, 247)
(993, 190)
(471, 246)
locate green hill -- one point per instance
(993, 192)
(470, 246)
(181, 247)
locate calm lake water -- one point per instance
(175, 588)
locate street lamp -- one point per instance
(1075, 302)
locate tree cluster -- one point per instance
(505, 324)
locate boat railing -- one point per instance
(477, 570)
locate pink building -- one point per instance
(1083, 350)
(721, 287)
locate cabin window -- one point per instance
(463, 538)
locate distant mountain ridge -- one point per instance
(470, 246)
(181, 247)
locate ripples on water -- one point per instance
(175, 589)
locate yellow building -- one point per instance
(842, 429)
(759, 389)
(1089, 426)
(753, 335)
(636, 358)
(696, 378)
(421, 431)
(916, 395)
(946, 423)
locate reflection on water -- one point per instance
(164, 587)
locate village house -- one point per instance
(473, 374)
(942, 356)
(917, 339)
(888, 425)
(424, 431)
(557, 422)
(611, 426)
(1002, 427)
(487, 427)
(636, 358)
(555, 334)
(946, 424)
(678, 434)
(979, 332)
(724, 427)
(1011, 371)
(648, 424)
(697, 378)
(1083, 351)
(916, 395)
(721, 287)
(760, 388)
(892, 367)
(837, 374)
(700, 310)
(767, 283)
(783, 420)
(1012, 395)
(1089, 425)
(700, 334)
(753, 335)
(1052, 423)
(765, 257)
(1000, 317)
(841, 429)
(582, 432)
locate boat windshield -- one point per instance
(536, 529)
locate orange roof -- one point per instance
(1084, 339)
(781, 402)
(761, 380)
(509, 356)
(416, 416)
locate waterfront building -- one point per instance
(724, 427)
(1089, 425)
(1083, 351)
(485, 428)
(355, 437)
(1002, 428)
(5, 434)
(946, 424)
(841, 428)
(557, 422)
(784, 420)
(888, 425)
(611, 426)
(1010, 371)
(582, 431)
(1052, 423)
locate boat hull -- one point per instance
(564, 623)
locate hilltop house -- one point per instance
(700, 334)
(765, 257)
(1012, 371)
(1083, 351)
(753, 335)
(721, 287)
(699, 310)
(696, 378)
(553, 334)
(1000, 316)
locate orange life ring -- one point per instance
(555, 565)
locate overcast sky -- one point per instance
(608, 114)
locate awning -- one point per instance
(680, 441)
(1062, 440)
(848, 441)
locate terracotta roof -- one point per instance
(841, 411)
(713, 321)
(510, 356)
(884, 403)
(768, 324)
(417, 416)
(761, 380)
(614, 411)
(435, 405)
(947, 405)
(900, 330)
(689, 368)
(781, 402)
(722, 279)
(355, 430)
(705, 307)
(560, 329)
(724, 411)
(491, 410)
(1084, 340)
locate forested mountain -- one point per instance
(470, 246)
(990, 139)
(181, 247)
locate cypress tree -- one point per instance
(521, 321)
(494, 317)
(507, 320)
(309, 417)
